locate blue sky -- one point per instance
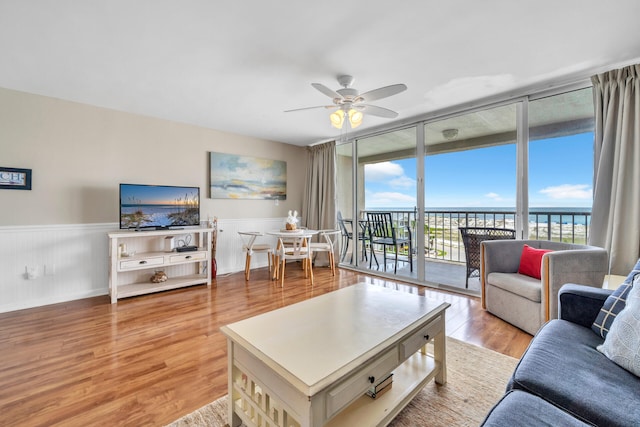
(560, 175)
(155, 195)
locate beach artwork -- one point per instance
(246, 177)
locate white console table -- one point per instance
(310, 364)
(131, 275)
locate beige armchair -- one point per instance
(527, 302)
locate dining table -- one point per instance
(282, 235)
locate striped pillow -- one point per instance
(614, 304)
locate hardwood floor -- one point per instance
(149, 360)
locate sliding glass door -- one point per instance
(521, 169)
(470, 182)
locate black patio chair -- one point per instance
(383, 232)
(472, 237)
(346, 229)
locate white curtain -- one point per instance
(319, 202)
(615, 223)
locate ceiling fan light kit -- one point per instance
(351, 105)
(337, 118)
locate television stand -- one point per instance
(134, 257)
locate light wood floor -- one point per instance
(149, 360)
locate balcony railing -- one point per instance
(443, 240)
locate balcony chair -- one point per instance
(346, 228)
(294, 248)
(471, 238)
(327, 243)
(382, 232)
(249, 246)
(528, 302)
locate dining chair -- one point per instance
(294, 248)
(249, 246)
(327, 243)
(383, 232)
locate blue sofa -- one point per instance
(562, 380)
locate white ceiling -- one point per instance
(238, 65)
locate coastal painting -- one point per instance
(246, 177)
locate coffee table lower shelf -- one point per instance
(408, 379)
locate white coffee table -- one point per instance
(310, 364)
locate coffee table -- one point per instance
(311, 363)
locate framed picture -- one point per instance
(15, 179)
(245, 177)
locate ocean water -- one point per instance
(156, 215)
(553, 215)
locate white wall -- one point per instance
(79, 154)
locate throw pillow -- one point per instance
(622, 344)
(614, 304)
(531, 261)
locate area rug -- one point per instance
(476, 379)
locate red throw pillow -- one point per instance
(531, 261)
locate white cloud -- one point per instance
(494, 196)
(383, 171)
(568, 191)
(403, 181)
(390, 199)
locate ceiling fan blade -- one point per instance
(330, 93)
(383, 92)
(310, 108)
(377, 111)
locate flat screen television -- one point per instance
(158, 206)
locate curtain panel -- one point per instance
(615, 222)
(319, 201)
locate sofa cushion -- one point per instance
(622, 344)
(517, 408)
(563, 366)
(614, 304)
(518, 284)
(531, 261)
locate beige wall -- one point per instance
(79, 154)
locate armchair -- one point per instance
(527, 302)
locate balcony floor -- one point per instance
(444, 273)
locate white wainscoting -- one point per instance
(78, 255)
(229, 255)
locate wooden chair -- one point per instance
(383, 232)
(294, 248)
(472, 237)
(249, 246)
(327, 243)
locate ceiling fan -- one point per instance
(350, 104)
